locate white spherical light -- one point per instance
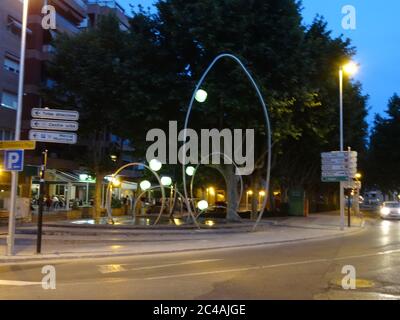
(155, 165)
(144, 185)
(201, 95)
(202, 205)
(166, 181)
(190, 171)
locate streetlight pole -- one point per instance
(341, 189)
(350, 68)
(14, 174)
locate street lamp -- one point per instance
(155, 165)
(145, 185)
(116, 182)
(14, 174)
(349, 68)
(190, 171)
(201, 96)
(202, 205)
(166, 181)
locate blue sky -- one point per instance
(377, 39)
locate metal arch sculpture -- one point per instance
(267, 121)
(152, 188)
(198, 165)
(109, 186)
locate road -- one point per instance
(304, 270)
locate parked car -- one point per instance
(390, 210)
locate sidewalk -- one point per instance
(69, 243)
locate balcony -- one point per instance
(107, 3)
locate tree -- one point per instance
(383, 158)
(89, 70)
(296, 68)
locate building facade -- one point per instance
(71, 17)
(10, 38)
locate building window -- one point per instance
(6, 134)
(9, 100)
(11, 65)
(15, 27)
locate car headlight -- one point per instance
(385, 211)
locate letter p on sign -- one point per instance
(14, 160)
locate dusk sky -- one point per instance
(377, 39)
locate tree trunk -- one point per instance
(97, 196)
(232, 192)
(255, 187)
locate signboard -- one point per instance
(53, 136)
(20, 145)
(338, 166)
(14, 160)
(55, 114)
(54, 125)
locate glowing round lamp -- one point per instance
(116, 182)
(350, 68)
(155, 165)
(201, 96)
(166, 181)
(145, 185)
(190, 171)
(202, 205)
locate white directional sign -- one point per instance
(54, 125)
(53, 136)
(338, 166)
(44, 113)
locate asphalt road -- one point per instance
(304, 270)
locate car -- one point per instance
(390, 210)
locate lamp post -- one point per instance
(14, 175)
(350, 69)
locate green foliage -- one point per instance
(130, 82)
(384, 156)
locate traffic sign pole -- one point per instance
(41, 202)
(14, 175)
(341, 187)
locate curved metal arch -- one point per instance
(268, 125)
(152, 188)
(109, 187)
(198, 165)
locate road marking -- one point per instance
(112, 268)
(194, 274)
(18, 283)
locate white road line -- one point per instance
(18, 283)
(183, 275)
(110, 268)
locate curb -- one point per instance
(4, 260)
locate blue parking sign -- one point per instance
(14, 160)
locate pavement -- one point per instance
(61, 241)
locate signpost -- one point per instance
(45, 119)
(54, 125)
(14, 160)
(340, 166)
(20, 145)
(53, 136)
(55, 114)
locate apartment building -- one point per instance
(10, 30)
(71, 17)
